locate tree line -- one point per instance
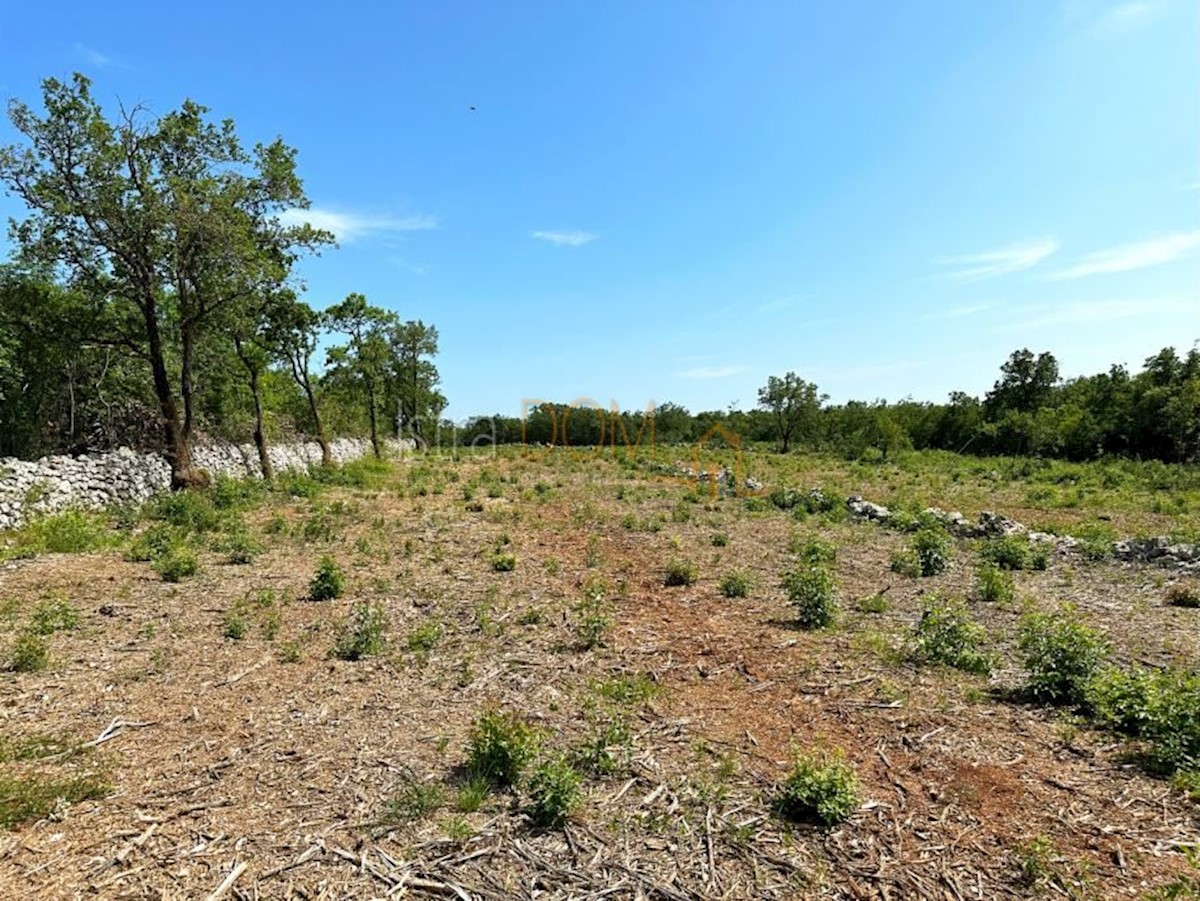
(1151, 414)
(151, 295)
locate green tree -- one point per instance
(364, 361)
(165, 222)
(794, 404)
(412, 377)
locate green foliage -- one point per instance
(327, 582)
(472, 793)
(596, 753)
(947, 635)
(53, 615)
(993, 584)
(812, 590)
(1061, 653)
(1008, 552)
(812, 551)
(906, 563)
(30, 653)
(932, 547)
(553, 792)
(504, 561)
(191, 511)
(69, 532)
(720, 539)
(153, 543)
(178, 564)
(820, 790)
(737, 584)
(1161, 707)
(414, 800)
(32, 796)
(240, 548)
(424, 637)
(362, 634)
(681, 573)
(874, 603)
(500, 746)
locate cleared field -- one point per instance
(224, 735)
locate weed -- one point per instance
(1061, 654)
(812, 551)
(1035, 861)
(412, 801)
(53, 615)
(818, 790)
(737, 584)
(69, 532)
(500, 746)
(946, 634)
(504, 561)
(290, 652)
(362, 634)
(553, 792)
(932, 547)
(235, 624)
(328, 582)
(457, 829)
(240, 548)
(906, 563)
(1008, 552)
(33, 796)
(720, 539)
(627, 689)
(680, 573)
(993, 584)
(424, 637)
(30, 653)
(812, 590)
(179, 563)
(873, 603)
(1181, 595)
(596, 753)
(472, 794)
(153, 543)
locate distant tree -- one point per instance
(795, 405)
(412, 377)
(365, 359)
(1026, 383)
(293, 333)
(164, 222)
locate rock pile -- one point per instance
(125, 476)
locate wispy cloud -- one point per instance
(1139, 255)
(94, 56)
(710, 372)
(348, 226)
(408, 266)
(566, 238)
(1123, 18)
(1089, 312)
(974, 267)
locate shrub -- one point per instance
(153, 543)
(1009, 552)
(736, 584)
(992, 584)
(946, 634)
(500, 746)
(328, 582)
(69, 532)
(906, 563)
(422, 639)
(595, 753)
(504, 562)
(680, 573)
(54, 615)
(816, 790)
(1160, 707)
(30, 653)
(241, 548)
(932, 547)
(235, 624)
(414, 800)
(553, 792)
(874, 603)
(720, 539)
(1062, 655)
(1183, 596)
(190, 510)
(361, 635)
(813, 592)
(179, 564)
(812, 551)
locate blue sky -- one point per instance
(674, 200)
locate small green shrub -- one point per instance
(1008, 552)
(235, 624)
(504, 561)
(993, 584)
(812, 551)
(818, 790)
(362, 634)
(874, 603)
(412, 801)
(424, 637)
(947, 635)
(932, 547)
(180, 563)
(681, 573)
(471, 794)
(328, 582)
(1061, 654)
(553, 792)
(812, 590)
(69, 532)
(28, 797)
(189, 510)
(53, 615)
(240, 548)
(737, 584)
(596, 753)
(1160, 706)
(30, 654)
(153, 543)
(500, 746)
(720, 539)
(1181, 595)
(906, 563)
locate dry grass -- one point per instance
(271, 767)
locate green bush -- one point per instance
(817, 790)
(720, 539)
(736, 584)
(946, 634)
(30, 653)
(932, 547)
(1008, 552)
(362, 634)
(906, 563)
(500, 746)
(179, 563)
(812, 590)
(993, 584)
(69, 532)
(327, 582)
(240, 548)
(680, 573)
(812, 551)
(504, 562)
(553, 792)
(1160, 706)
(153, 543)
(189, 510)
(1061, 654)
(412, 801)
(54, 615)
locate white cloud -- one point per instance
(710, 372)
(1095, 311)
(1122, 18)
(414, 268)
(347, 227)
(1140, 255)
(973, 267)
(93, 56)
(567, 238)
(959, 312)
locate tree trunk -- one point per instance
(326, 454)
(374, 417)
(260, 437)
(179, 452)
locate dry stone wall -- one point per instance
(32, 487)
